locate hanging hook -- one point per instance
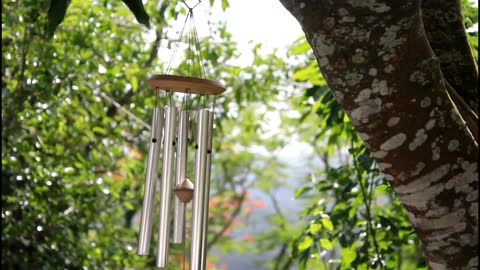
(191, 8)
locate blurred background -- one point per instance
(293, 187)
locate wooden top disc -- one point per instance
(174, 83)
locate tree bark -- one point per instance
(377, 60)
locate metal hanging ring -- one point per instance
(191, 8)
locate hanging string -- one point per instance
(194, 54)
(194, 59)
(197, 47)
(189, 40)
(176, 46)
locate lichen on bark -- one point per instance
(377, 60)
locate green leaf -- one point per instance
(299, 192)
(56, 14)
(100, 130)
(225, 4)
(128, 205)
(300, 48)
(302, 262)
(348, 254)
(326, 244)
(352, 212)
(314, 228)
(327, 224)
(381, 187)
(365, 161)
(137, 8)
(134, 82)
(310, 74)
(306, 243)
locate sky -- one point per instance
(265, 21)
(257, 21)
(249, 21)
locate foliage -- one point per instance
(357, 223)
(58, 9)
(70, 173)
(470, 14)
(73, 163)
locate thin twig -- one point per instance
(129, 113)
(367, 209)
(229, 222)
(470, 118)
(118, 105)
(155, 47)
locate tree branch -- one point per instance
(155, 47)
(112, 110)
(467, 114)
(367, 203)
(444, 24)
(284, 248)
(227, 225)
(280, 256)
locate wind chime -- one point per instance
(172, 129)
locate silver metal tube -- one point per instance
(166, 192)
(206, 194)
(198, 194)
(151, 177)
(181, 172)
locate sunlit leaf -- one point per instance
(300, 48)
(315, 228)
(99, 130)
(225, 4)
(305, 243)
(128, 205)
(134, 82)
(326, 244)
(327, 223)
(381, 187)
(299, 192)
(348, 254)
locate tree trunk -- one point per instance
(379, 64)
